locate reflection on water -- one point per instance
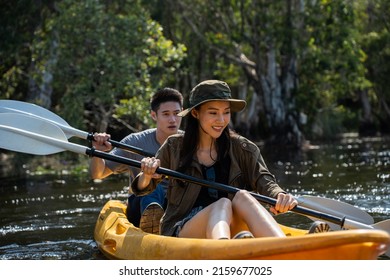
(53, 217)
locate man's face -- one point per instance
(166, 117)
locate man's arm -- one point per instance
(97, 167)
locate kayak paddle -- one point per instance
(32, 110)
(335, 207)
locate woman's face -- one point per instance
(213, 117)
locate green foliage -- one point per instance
(105, 52)
(332, 66)
(333, 121)
(107, 57)
(18, 19)
(376, 43)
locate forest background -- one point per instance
(309, 69)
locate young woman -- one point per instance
(210, 150)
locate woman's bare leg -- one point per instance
(238, 224)
(259, 220)
(212, 222)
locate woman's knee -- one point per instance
(223, 203)
(241, 196)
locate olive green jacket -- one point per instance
(247, 171)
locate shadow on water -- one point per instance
(53, 216)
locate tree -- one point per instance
(103, 59)
(18, 21)
(333, 85)
(376, 43)
(287, 58)
(257, 37)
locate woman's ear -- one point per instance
(194, 113)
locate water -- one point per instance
(46, 217)
(53, 217)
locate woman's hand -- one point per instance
(284, 203)
(149, 166)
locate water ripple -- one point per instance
(50, 250)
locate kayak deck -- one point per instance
(117, 238)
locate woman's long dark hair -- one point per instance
(191, 140)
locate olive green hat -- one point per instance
(212, 90)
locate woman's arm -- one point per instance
(264, 180)
(143, 182)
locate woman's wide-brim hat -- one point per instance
(212, 90)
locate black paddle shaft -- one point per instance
(124, 147)
(214, 185)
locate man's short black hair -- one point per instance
(165, 95)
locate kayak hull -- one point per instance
(117, 238)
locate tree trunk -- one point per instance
(386, 116)
(40, 92)
(276, 104)
(274, 82)
(366, 126)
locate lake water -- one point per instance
(53, 216)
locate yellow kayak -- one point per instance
(117, 238)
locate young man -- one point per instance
(165, 104)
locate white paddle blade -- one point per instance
(335, 208)
(13, 138)
(32, 110)
(20, 107)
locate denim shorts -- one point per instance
(180, 224)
